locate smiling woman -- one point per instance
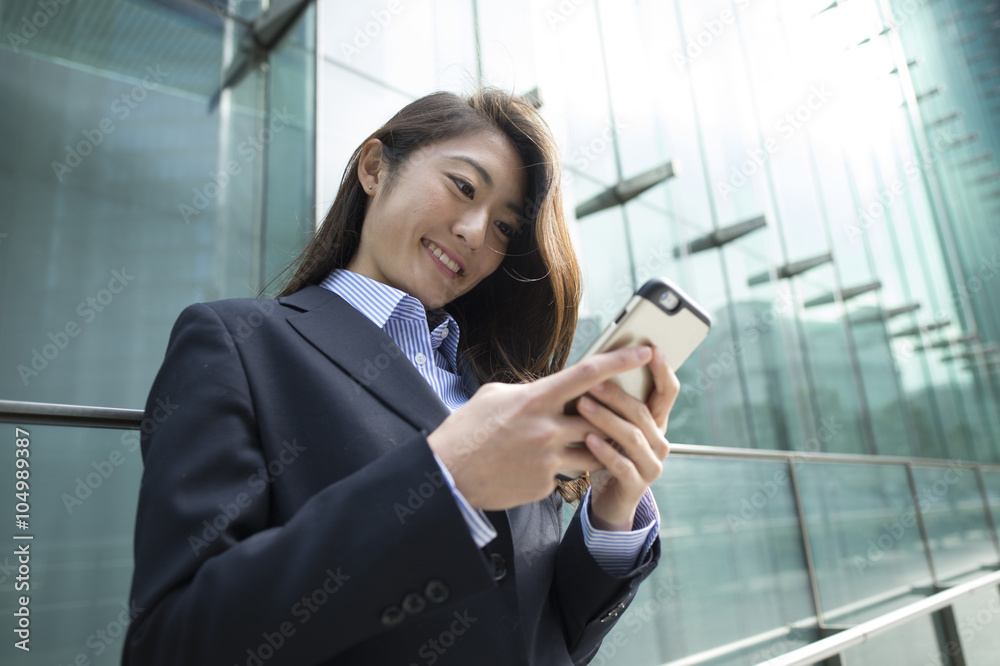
(446, 221)
(461, 161)
(414, 363)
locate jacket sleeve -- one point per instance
(216, 576)
(591, 600)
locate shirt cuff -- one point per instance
(480, 527)
(619, 552)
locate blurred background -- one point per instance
(821, 176)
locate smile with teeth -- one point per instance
(442, 257)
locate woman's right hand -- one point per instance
(506, 445)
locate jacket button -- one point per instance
(499, 566)
(392, 616)
(436, 591)
(413, 603)
(615, 612)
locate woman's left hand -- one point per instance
(637, 429)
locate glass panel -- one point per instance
(127, 198)
(412, 47)
(865, 540)
(829, 357)
(83, 489)
(732, 566)
(915, 642)
(290, 196)
(977, 617)
(991, 482)
(878, 374)
(952, 507)
(343, 127)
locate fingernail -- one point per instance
(644, 353)
(587, 405)
(600, 387)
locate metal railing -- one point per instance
(834, 646)
(830, 647)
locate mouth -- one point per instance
(443, 258)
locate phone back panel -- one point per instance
(645, 323)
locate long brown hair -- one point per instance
(518, 323)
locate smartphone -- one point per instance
(661, 315)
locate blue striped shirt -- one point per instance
(430, 341)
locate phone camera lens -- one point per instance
(670, 300)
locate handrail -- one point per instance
(22, 412)
(748, 642)
(44, 413)
(837, 644)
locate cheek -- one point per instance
(497, 253)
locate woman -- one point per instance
(363, 471)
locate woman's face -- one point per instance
(445, 223)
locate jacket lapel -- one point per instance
(366, 353)
(372, 359)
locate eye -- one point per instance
(465, 187)
(506, 229)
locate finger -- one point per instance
(565, 385)
(620, 466)
(579, 459)
(635, 444)
(666, 388)
(634, 411)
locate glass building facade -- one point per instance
(821, 176)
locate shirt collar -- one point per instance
(380, 303)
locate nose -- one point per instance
(472, 226)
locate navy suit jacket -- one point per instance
(291, 512)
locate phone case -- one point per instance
(645, 320)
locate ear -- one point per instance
(370, 166)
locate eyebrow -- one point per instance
(488, 180)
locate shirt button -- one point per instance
(420, 358)
(499, 566)
(444, 333)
